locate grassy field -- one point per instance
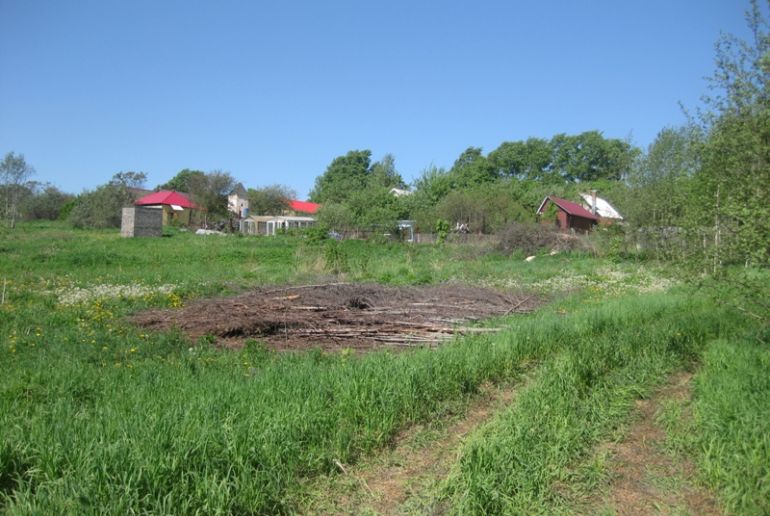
(98, 416)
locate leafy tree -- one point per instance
(485, 209)
(589, 156)
(530, 159)
(344, 176)
(335, 216)
(734, 183)
(661, 179)
(102, 207)
(471, 169)
(432, 186)
(46, 203)
(14, 175)
(270, 200)
(384, 174)
(129, 179)
(182, 181)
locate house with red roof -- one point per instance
(177, 207)
(303, 208)
(568, 216)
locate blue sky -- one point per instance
(273, 91)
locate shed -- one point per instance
(569, 215)
(139, 221)
(176, 207)
(273, 224)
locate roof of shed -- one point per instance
(166, 197)
(603, 208)
(304, 206)
(570, 207)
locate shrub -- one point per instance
(532, 238)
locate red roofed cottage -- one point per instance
(569, 215)
(177, 207)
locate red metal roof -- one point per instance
(304, 206)
(570, 207)
(167, 197)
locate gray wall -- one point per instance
(138, 221)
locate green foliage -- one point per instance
(581, 394)
(471, 169)
(270, 200)
(357, 196)
(344, 176)
(337, 217)
(530, 159)
(335, 257)
(589, 157)
(734, 183)
(486, 208)
(102, 207)
(731, 434)
(14, 176)
(183, 181)
(442, 231)
(48, 204)
(532, 238)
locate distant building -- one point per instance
(298, 208)
(176, 207)
(569, 216)
(398, 192)
(238, 201)
(299, 215)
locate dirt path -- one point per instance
(405, 479)
(645, 479)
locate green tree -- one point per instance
(46, 203)
(530, 159)
(14, 176)
(102, 207)
(182, 181)
(270, 200)
(337, 217)
(472, 168)
(212, 193)
(589, 157)
(734, 183)
(383, 174)
(344, 176)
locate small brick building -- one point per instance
(138, 221)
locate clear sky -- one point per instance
(272, 91)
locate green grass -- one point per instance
(98, 416)
(730, 432)
(583, 393)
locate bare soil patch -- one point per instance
(646, 479)
(341, 315)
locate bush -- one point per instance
(533, 238)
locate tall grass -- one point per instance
(731, 427)
(517, 463)
(167, 429)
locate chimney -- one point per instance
(593, 202)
